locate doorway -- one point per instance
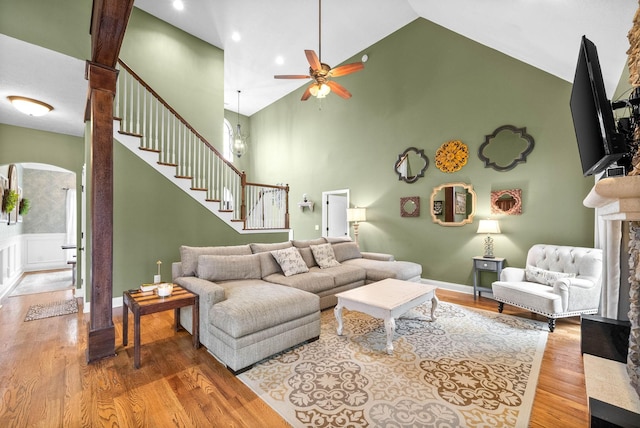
(334, 213)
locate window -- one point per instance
(227, 137)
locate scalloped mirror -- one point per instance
(453, 204)
(505, 148)
(507, 202)
(411, 165)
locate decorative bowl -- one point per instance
(165, 289)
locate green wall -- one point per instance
(423, 86)
(187, 72)
(60, 25)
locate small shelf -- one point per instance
(303, 205)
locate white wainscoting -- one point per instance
(10, 263)
(44, 251)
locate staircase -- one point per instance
(145, 124)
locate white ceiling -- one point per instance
(543, 33)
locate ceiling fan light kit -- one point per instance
(321, 73)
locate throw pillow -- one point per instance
(290, 261)
(546, 277)
(346, 251)
(324, 256)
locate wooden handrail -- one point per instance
(173, 150)
(177, 115)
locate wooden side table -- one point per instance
(495, 264)
(143, 303)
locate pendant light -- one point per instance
(239, 141)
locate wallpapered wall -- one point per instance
(45, 191)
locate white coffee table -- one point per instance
(386, 299)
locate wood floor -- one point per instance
(46, 382)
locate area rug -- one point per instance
(33, 283)
(468, 368)
(53, 309)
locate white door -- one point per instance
(334, 213)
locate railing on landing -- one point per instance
(144, 114)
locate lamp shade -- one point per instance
(489, 226)
(356, 214)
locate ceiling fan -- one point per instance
(322, 73)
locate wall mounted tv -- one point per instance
(599, 143)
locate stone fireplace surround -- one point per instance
(618, 199)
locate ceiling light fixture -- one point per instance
(29, 106)
(239, 142)
(178, 4)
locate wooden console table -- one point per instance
(143, 303)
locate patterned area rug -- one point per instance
(53, 309)
(469, 368)
(33, 283)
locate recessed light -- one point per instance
(178, 4)
(29, 106)
(235, 36)
(279, 60)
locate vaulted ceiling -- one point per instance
(543, 33)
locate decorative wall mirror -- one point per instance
(505, 148)
(410, 206)
(411, 165)
(507, 202)
(453, 204)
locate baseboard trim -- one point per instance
(460, 288)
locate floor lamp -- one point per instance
(356, 215)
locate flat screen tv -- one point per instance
(599, 143)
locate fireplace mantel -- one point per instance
(617, 198)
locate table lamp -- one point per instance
(488, 227)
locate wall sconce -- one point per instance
(488, 227)
(355, 215)
(305, 203)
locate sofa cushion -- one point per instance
(313, 281)
(189, 255)
(337, 239)
(261, 248)
(546, 277)
(378, 270)
(344, 274)
(305, 243)
(268, 264)
(323, 254)
(225, 268)
(256, 305)
(307, 256)
(290, 261)
(346, 251)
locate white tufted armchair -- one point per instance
(557, 282)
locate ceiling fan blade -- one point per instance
(291, 76)
(339, 89)
(306, 94)
(346, 69)
(314, 62)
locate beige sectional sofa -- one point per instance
(259, 299)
